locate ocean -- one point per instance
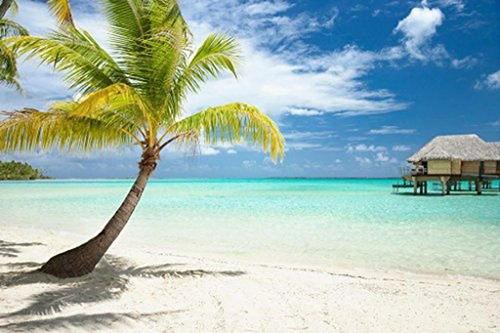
(325, 223)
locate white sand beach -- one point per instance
(141, 289)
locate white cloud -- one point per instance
(308, 135)
(363, 161)
(304, 112)
(263, 21)
(491, 82)
(381, 157)
(459, 5)
(207, 150)
(365, 148)
(248, 164)
(466, 62)
(384, 158)
(358, 138)
(302, 145)
(401, 148)
(391, 130)
(277, 84)
(418, 28)
(267, 7)
(231, 152)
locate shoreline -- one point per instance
(139, 288)
(252, 261)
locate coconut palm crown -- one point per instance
(132, 95)
(8, 66)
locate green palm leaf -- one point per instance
(8, 65)
(136, 95)
(62, 11)
(231, 123)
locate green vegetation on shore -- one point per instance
(19, 171)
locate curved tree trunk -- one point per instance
(82, 259)
(4, 7)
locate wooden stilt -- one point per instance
(443, 185)
(478, 186)
(425, 187)
(421, 184)
(415, 184)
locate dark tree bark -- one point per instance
(82, 260)
(4, 7)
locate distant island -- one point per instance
(20, 171)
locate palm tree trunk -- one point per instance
(82, 260)
(4, 7)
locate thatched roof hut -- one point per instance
(458, 147)
(494, 150)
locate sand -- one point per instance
(141, 289)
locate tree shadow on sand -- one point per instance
(10, 249)
(109, 281)
(97, 322)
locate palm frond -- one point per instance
(61, 10)
(10, 28)
(217, 54)
(127, 24)
(86, 66)
(14, 8)
(8, 68)
(109, 97)
(231, 123)
(30, 129)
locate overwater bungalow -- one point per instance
(450, 160)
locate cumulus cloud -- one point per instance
(491, 81)
(302, 145)
(363, 161)
(247, 164)
(401, 148)
(308, 135)
(312, 86)
(207, 150)
(365, 148)
(418, 28)
(384, 130)
(384, 158)
(257, 19)
(304, 112)
(459, 5)
(267, 7)
(466, 62)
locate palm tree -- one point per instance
(134, 97)
(5, 5)
(8, 68)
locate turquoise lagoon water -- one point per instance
(351, 223)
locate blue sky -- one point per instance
(355, 86)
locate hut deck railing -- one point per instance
(412, 171)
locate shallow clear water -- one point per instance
(327, 223)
